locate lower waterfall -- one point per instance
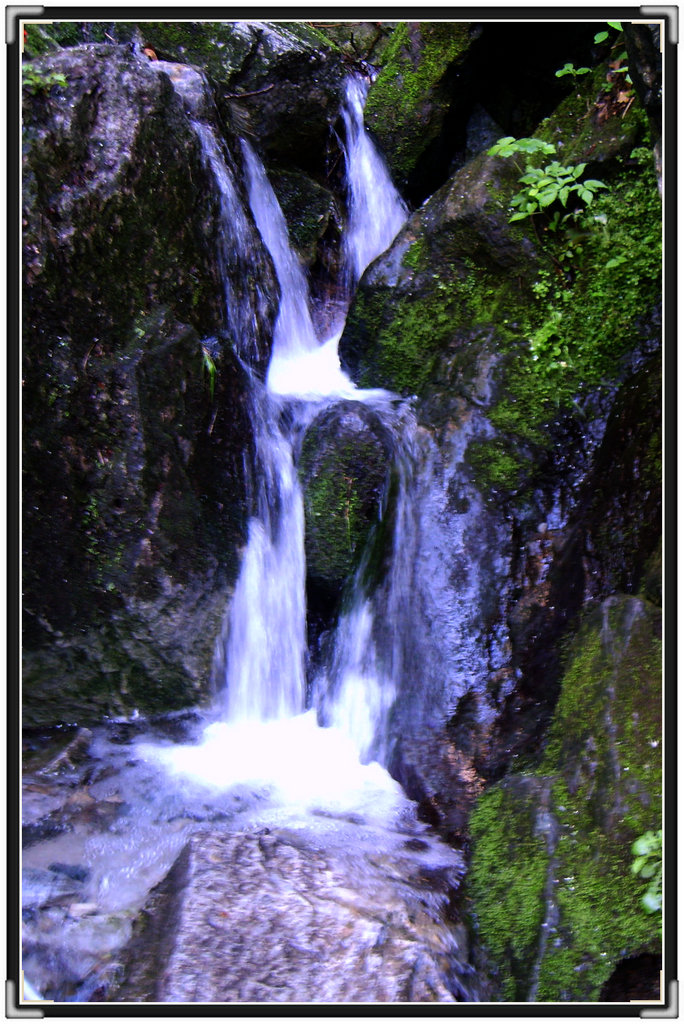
(263, 712)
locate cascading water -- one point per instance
(265, 762)
(377, 212)
(265, 648)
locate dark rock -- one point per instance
(135, 456)
(437, 772)
(74, 871)
(345, 468)
(307, 207)
(279, 82)
(644, 52)
(622, 503)
(635, 979)
(40, 887)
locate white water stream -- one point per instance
(265, 736)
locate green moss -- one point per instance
(508, 874)
(415, 335)
(414, 64)
(600, 784)
(416, 256)
(343, 487)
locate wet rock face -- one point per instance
(622, 505)
(344, 467)
(281, 83)
(266, 917)
(134, 447)
(597, 789)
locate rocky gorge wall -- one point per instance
(534, 359)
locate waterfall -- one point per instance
(336, 858)
(264, 652)
(376, 210)
(300, 364)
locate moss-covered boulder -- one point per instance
(408, 102)
(281, 82)
(136, 425)
(453, 272)
(345, 471)
(555, 903)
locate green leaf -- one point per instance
(518, 216)
(577, 170)
(600, 37)
(563, 195)
(617, 25)
(548, 197)
(592, 183)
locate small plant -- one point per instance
(510, 146)
(570, 69)
(648, 864)
(544, 186)
(601, 37)
(36, 81)
(553, 183)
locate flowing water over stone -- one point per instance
(300, 869)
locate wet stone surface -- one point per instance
(136, 888)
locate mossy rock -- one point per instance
(408, 102)
(364, 41)
(599, 120)
(279, 82)
(448, 276)
(134, 451)
(597, 789)
(345, 472)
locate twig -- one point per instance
(628, 106)
(241, 95)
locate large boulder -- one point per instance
(410, 98)
(136, 424)
(275, 916)
(345, 468)
(555, 903)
